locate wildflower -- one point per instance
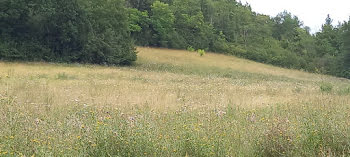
(35, 141)
(132, 119)
(37, 121)
(78, 137)
(220, 113)
(115, 133)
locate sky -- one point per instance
(312, 12)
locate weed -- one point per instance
(277, 140)
(191, 49)
(344, 91)
(64, 76)
(201, 52)
(323, 136)
(326, 87)
(297, 90)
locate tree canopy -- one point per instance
(227, 26)
(89, 31)
(103, 32)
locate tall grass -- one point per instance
(77, 130)
(169, 108)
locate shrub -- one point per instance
(326, 87)
(201, 52)
(191, 49)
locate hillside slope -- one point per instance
(161, 77)
(172, 103)
(186, 58)
(239, 81)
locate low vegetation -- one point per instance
(201, 52)
(171, 103)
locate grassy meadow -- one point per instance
(172, 103)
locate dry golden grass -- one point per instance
(37, 83)
(180, 57)
(165, 81)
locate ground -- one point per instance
(172, 103)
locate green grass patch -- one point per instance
(326, 87)
(65, 76)
(208, 71)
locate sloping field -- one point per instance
(172, 103)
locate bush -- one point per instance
(326, 87)
(191, 49)
(201, 52)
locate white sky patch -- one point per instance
(312, 12)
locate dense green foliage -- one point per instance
(103, 32)
(227, 26)
(86, 31)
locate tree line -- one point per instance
(230, 27)
(84, 31)
(105, 31)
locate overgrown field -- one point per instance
(172, 103)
